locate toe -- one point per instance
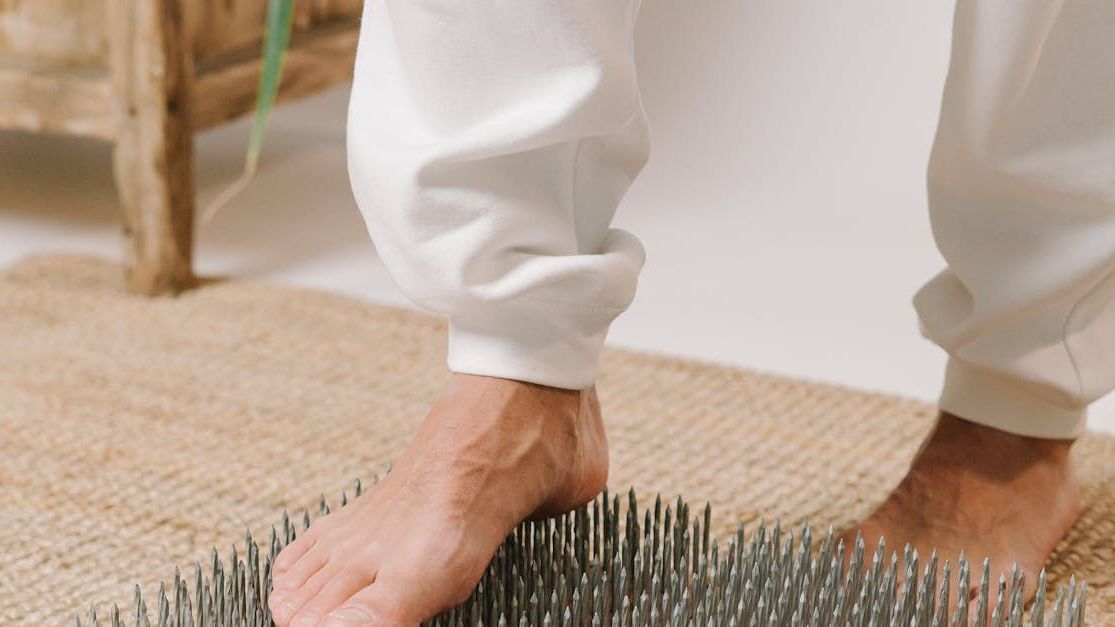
(286, 605)
(340, 588)
(322, 529)
(291, 553)
(372, 606)
(297, 574)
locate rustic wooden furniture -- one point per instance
(147, 74)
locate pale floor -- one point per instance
(783, 209)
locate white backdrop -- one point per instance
(784, 204)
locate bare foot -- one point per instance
(985, 492)
(491, 453)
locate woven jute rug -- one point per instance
(135, 434)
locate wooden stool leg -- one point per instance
(152, 67)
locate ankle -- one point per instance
(975, 435)
(962, 452)
(549, 438)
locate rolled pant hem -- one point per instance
(1006, 404)
(510, 352)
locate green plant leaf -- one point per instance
(276, 40)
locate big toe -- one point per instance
(376, 605)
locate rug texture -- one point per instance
(135, 434)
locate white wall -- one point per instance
(787, 182)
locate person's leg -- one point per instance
(490, 142)
(1022, 200)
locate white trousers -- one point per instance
(490, 142)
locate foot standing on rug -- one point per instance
(490, 143)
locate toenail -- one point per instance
(352, 613)
(306, 620)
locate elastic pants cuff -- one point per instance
(1007, 404)
(526, 348)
